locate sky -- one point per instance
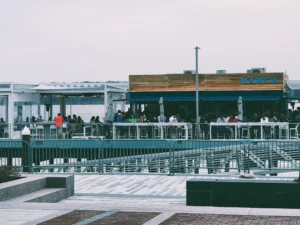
(101, 40)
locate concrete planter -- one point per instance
(38, 188)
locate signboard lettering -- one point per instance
(265, 80)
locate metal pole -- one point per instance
(197, 96)
(197, 91)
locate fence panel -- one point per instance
(79, 156)
(136, 156)
(15, 153)
(272, 157)
(208, 157)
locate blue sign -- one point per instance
(265, 80)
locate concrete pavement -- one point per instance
(164, 195)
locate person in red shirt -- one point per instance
(59, 123)
(233, 119)
(231, 129)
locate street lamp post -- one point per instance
(197, 96)
(197, 84)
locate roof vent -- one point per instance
(189, 71)
(257, 70)
(221, 71)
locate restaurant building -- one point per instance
(218, 93)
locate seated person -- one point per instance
(221, 119)
(231, 129)
(255, 130)
(233, 119)
(265, 119)
(133, 119)
(221, 130)
(2, 126)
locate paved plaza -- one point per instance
(135, 199)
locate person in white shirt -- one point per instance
(173, 130)
(221, 130)
(264, 119)
(172, 119)
(266, 129)
(221, 119)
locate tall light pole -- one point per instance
(197, 87)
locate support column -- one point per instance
(106, 102)
(63, 105)
(51, 108)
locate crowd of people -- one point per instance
(265, 117)
(75, 123)
(145, 116)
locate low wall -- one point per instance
(243, 193)
(32, 183)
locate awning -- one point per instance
(293, 89)
(205, 96)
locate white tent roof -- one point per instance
(294, 84)
(77, 88)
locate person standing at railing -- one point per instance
(221, 130)
(2, 126)
(27, 122)
(133, 119)
(255, 130)
(119, 119)
(283, 118)
(265, 119)
(143, 118)
(204, 126)
(297, 117)
(173, 119)
(275, 129)
(132, 130)
(232, 119)
(59, 122)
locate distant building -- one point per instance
(19, 102)
(218, 93)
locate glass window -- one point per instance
(4, 107)
(4, 116)
(24, 112)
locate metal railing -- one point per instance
(131, 156)
(208, 157)
(156, 131)
(65, 156)
(189, 157)
(272, 157)
(15, 153)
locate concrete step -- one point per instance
(44, 195)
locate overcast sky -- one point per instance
(100, 40)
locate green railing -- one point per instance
(65, 156)
(208, 157)
(187, 157)
(15, 153)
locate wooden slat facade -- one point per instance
(207, 82)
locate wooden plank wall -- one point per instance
(207, 82)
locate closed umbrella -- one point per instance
(161, 110)
(240, 108)
(110, 111)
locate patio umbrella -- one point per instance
(110, 111)
(240, 108)
(161, 110)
